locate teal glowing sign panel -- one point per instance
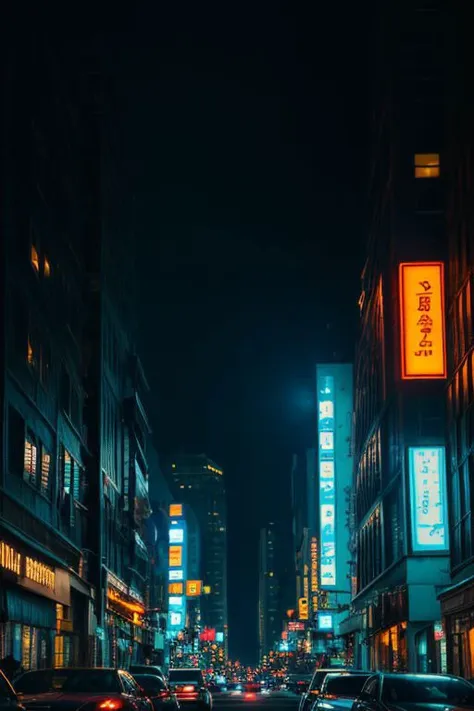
(327, 481)
(429, 515)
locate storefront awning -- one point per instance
(30, 609)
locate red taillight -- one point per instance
(111, 704)
(164, 695)
(189, 688)
(250, 696)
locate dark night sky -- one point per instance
(244, 140)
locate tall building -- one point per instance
(457, 601)
(199, 482)
(304, 499)
(269, 613)
(400, 518)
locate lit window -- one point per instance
(426, 165)
(34, 258)
(29, 461)
(67, 473)
(45, 470)
(30, 355)
(46, 268)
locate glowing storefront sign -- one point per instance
(176, 510)
(303, 608)
(176, 535)
(327, 485)
(176, 601)
(428, 496)
(324, 621)
(176, 588)
(10, 559)
(176, 556)
(422, 328)
(314, 573)
(193, 588)
(40, 573)
(176, 575)
(176, 619)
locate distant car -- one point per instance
(87, 689)
(158, 692)
(189, 687)
(339, 691)
(147, 669)
(405, 692)
(8, 697)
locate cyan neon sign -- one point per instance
(428, 498)
(327, 481)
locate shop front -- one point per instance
(457, 607)
(32, 596)
(126, 633)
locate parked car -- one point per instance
(189, 687)
(310, 695)
(88, 689)
(406, 692)
(147, 669)
(8, 696)
(158, 692)
(339, 691)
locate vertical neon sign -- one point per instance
(327, 481)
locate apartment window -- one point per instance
(34, 258)
(426, 165)
(30, 460)
(30, 353)
(46, 268)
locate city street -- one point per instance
(271, 702)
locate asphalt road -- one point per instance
(279, 701)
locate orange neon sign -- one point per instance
(176, 556)
(175, 588)
(176, 510)
(193, 588)
(422, 327)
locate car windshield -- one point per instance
(150, 683)
(346, 684)
(427, 690)
(69, 680)
(181, 676)
(318, 678)
(144, 669)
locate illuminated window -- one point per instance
(34, 258)
(426, 165)
(30, 353)
(45, 471)
(46, 268)
(30, 460)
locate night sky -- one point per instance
(244, 141)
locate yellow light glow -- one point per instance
(175, 588)
(46, 268)
(133, 607)
(422, 328)
(427, 165)
(176, 556)
(34, 257)
(207, 589)
(176, 510)
(193, 588)
(303, 612)
(10, 559)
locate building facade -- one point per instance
(269, 613)
(400, 519)
(199, 482)
(457, 601)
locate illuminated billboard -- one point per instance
(175, 601)
(176, 556)
(176, 535)
(176, 575)
(303, 608)
(325, 623)
(193, 588)
(176, 619)
(327, 487)
(422, 326)
(176, 588)
(314, 574)
(176, 510)
(428, 497)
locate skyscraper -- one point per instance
(269, 618)
(199, 482)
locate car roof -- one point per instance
(72, 669)
(186, 669)
(398, 675)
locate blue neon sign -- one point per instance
(324, 621)
(176, 535)
(428, 498)
(327, 481)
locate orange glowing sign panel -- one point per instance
(176, 556)
(193, 588)
(175, 588)
(422, 328)
(176, 510)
